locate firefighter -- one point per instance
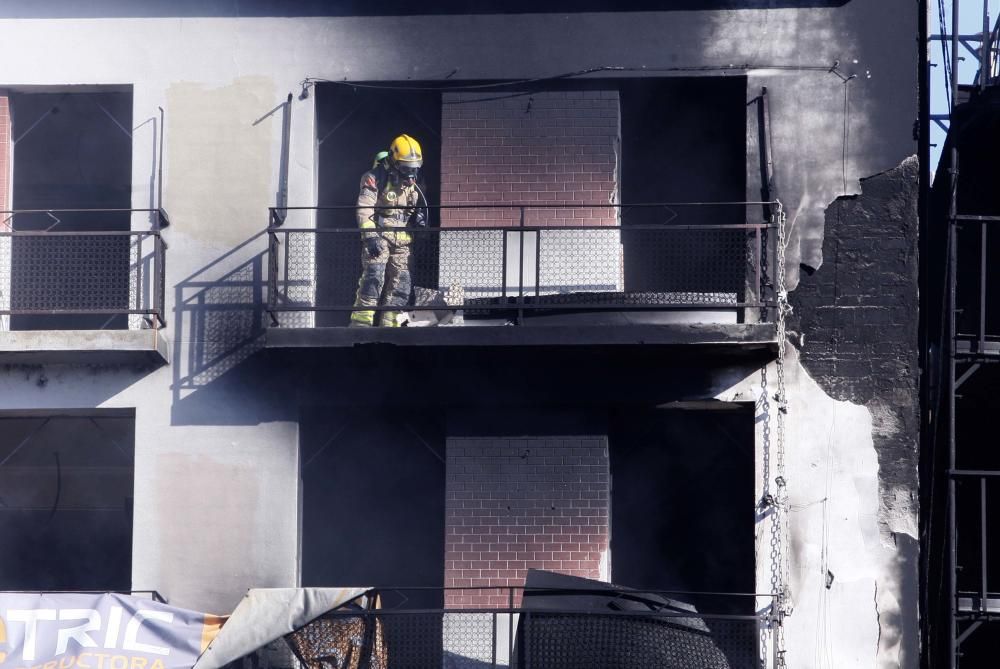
(388, 199)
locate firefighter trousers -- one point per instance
(385, 280)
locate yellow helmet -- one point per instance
(405, 156)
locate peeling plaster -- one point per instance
(865, 616)
(833, 485)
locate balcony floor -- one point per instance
(86, 347)
(712, 336)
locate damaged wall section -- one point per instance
(857, 322)
(855, 328)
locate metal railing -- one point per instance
(978, 602)
(154, 595)
(101, 267)
(549, 628)
(515, 262)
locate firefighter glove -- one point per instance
(419, 219)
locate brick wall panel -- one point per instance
(519, 504)
(563, 142)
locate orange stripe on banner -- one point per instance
(3, 640)
(210, 629)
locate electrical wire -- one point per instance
(943, 24)
(499, 85)
(847, 131)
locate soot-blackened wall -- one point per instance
(857, 320)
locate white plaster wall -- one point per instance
(864, 615)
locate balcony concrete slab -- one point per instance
(718, 336)
(89, 347)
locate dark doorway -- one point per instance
(352, 125)
(684, 140)
(66, 502)
(373, 502)
(682, 503)
(71, 151)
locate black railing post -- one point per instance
(510, 626)
(525, 638)
(503, 265)
(758, 280)
(982, 287)
(983, 534)
(160, 288)
(493, 646)
(139, 239)
(520, 272)
(538, 262)
(272, 275)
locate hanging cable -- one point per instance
(500, 85)
(943, 24)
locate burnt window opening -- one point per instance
(682, 503)
(665, 140)
(373, 502)
(66, 490)
(71, 151)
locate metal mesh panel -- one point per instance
(79, 272)
(469, 640)
(685, 260)
(568, 641)
(473, 259)
(578, 260)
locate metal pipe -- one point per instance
(503, 265)
(520, 273)
(984, 48)
(952, 526)
(538, 262)
(517, 205)
(759, 280)
(527, 228)
(982, 537)
(954, 53)
(982, 287)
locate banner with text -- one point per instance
(99, 631)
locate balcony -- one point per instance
(82, 286)
(533, 274)
(538, 627)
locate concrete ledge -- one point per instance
(718, 336)
(85, 347)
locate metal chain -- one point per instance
(781, 399)
(775, 494)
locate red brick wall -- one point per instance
(519, 503)
(552, 147)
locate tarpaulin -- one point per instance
(267, 614)
(100, 631)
